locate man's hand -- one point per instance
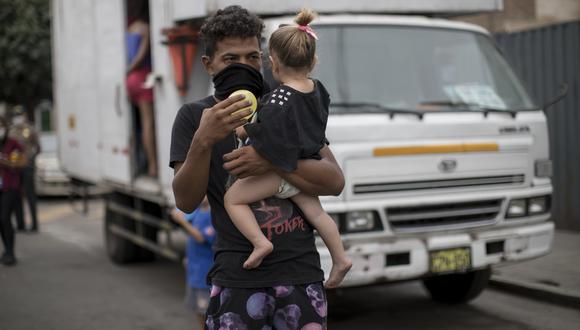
(216, 123)
(245, 162)
(220, 120)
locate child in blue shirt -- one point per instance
(199, 256)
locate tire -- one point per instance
(120, 250)
(457, 288)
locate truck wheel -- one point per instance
(457, 288)
(120, 250)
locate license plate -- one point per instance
(452, 260)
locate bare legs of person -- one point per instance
(252, 189)
(148, 136)
(236, 200)
(326, 227)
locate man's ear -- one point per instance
(207, 64)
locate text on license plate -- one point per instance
(452, 260)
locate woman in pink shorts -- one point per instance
(139, 67)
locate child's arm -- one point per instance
(179, 217)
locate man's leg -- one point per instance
(300, 307)
(240, 308)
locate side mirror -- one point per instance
(561, 95)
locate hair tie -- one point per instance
(308, 30)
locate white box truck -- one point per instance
(444, 154)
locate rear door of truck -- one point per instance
(92, 111)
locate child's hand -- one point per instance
(241, 133)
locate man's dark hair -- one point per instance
(232, 21)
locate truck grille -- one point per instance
(373, 188)
(443, 216)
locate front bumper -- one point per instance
(370, 258)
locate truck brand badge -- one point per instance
(514, 129)
(447, 165)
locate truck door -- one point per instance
(76, 101)
(113, 106)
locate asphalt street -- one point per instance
(64, 281)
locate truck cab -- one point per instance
(445, 155)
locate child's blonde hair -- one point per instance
(295, 46)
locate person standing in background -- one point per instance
(199, 257)
(12, 160)
(138, 68)
(25, 133)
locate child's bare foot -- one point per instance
(337, 273)
(261, 250)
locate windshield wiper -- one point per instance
(368, 107)
(467, 106)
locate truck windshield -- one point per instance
(414, 68)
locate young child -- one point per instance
(199, 257)
(290, 125)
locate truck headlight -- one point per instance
(357, 221)
(544, 169)
(517, 208)
(360, 221)
(538, 205)
(528, 206)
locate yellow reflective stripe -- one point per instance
(481, 147)
(436, 149)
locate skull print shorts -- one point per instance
(298, 307)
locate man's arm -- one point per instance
(192, 175)
(314, 177)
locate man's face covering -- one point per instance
(238, 76)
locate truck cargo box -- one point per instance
(185, 9)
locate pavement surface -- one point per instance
(554, 277)
(65, 281)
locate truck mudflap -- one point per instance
(447, 253)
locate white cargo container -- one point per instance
(445, 157)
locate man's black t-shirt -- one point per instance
(294, 259)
